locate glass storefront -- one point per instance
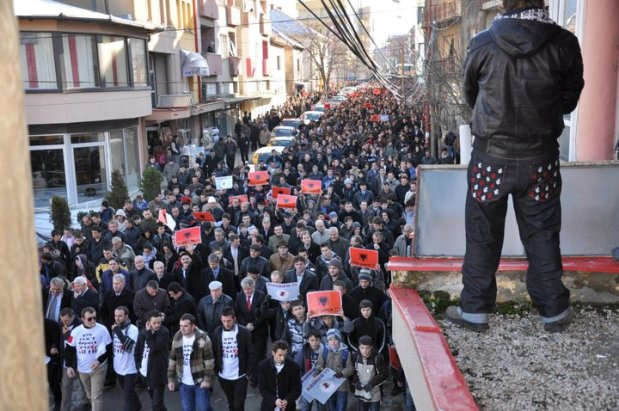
(79, 166)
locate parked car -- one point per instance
(281, 141)
(310, 116)
(291, 122)
(284, 131)
(261, 155)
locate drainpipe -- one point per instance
(197, 41)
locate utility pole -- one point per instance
(402, 71)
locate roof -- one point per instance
(288, 26)
(288, 40)
(50, 9)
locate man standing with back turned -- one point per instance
(522, 75)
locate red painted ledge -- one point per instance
(447, 386)
(583, 264)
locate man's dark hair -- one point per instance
(152, 284)
(152, 314)
(188, 317)
(339, 283)
(314, 333)
(228, 312)
(88, 310)
(299, 259)
(296, 303)
(175, 287)
(511, 5)
(123, 309)
(366, 340)
(280, 345)
(67, 311)
(365, 304)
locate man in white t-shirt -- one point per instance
(192, 365)
(88, 349)
(124, 337)
(234, 358)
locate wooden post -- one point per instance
(23, 379)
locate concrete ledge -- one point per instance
(434, 379)
(590, 279)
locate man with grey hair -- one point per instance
(163, 278)
(247, 307)
(141, 275)
(123, 252)
(338, 244)
(321, 235)
(55, 298)
(82, 295)
(120, 295)
(216, 272)
(403, 244)
(219, 241)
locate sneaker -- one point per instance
(560, 325)
(454, 315)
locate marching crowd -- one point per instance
(123, 304)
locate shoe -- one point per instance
(560, 325)
(454, 315)
(396, 390)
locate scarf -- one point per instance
(532, 14)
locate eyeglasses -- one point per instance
(90, 318)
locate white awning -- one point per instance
(194, 64)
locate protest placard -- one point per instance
(240, 198)
(384, 118)
(187, 236)
(258, 178)
(276, 191)
(311, 186)
(286, 201)
(360, 257)
(327, 302)
(203, 216)
(166, 219)
(223, 183)
(322, 386)
(283, 292)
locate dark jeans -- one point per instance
(338, 401)
(259, 342)
(195, 398)
(156, 393)
(54, 377)
(236, 392)
(368, 406)
(535, 187)
(131, 399)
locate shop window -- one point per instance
(36, 53)
(113, 61)
(78, 68)
(48, 175)
(90, 172)
(132, 156)
(87, 138)
(138, 62)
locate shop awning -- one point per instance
(194, 64)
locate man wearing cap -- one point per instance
(367, 291)
(281, 261)
(212, 206)
(363, 194)
(210, 307)
(255, 259)
(335, 273)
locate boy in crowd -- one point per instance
(370, 372)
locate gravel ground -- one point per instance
(518, 366)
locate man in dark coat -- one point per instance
(55, 298)
(181, 303)
(216, 272)
(151, 357)
(521, 77)
(83, 296)
(248, 305)
(300, 274)
(279, 388)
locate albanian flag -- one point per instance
(241, 198)
(311, 186)
(187, 236)
(367, 105)
(377, 91)
(360, 257)
(375, 118)
(286, 201)
(203, 216)
(258, 178)
(327, 106)
(276, 191)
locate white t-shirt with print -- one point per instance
(144, 360)
(124, 362)
(230, 355)
(89, 343)
(187, 378)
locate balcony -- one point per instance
(174, 100)
(265, 67)
(233, 16)
(214, 63)
(441, 12)
(233, 66)
(265, 26)
(246, 18)
(208, 9)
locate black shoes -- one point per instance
(560, 325)
(454, 315)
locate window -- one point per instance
(278, 63)
(78, 64)
(113, 61)
(420, 15)
(137, 47)
(298, 65)
(223, 45)
(265, 50)
(36, 53)
(48, 174)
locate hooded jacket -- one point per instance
(521, 77)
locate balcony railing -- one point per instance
(174, 100)
(440, 12)
(208, 9)
(214, 63)
(233, 15)
(233, 66)
(265, 26)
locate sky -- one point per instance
(391, 18)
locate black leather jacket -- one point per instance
(521, 77)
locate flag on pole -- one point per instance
(166, 219)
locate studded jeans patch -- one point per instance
(485, 182)
(545, 181)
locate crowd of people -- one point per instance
(123, 304)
